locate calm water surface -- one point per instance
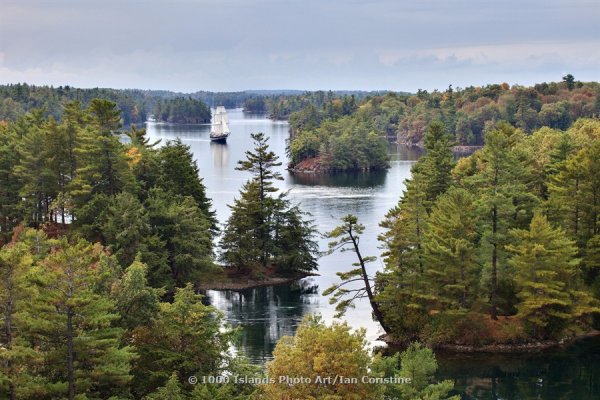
(266, 314)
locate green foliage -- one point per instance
(181, 233)
(451, 262)
(136, 302)
(347, 239)
(264, 229)
(180, 176)
(452, 272)
(419, 364)
(182, 111)
(336, 137)
(72, 322)
(550, 294)
(185, 338)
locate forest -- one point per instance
(280, 106)
(332, 135)
(500, 248)
(105, 237)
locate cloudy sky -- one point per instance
(189, 45)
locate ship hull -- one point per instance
(218, 139)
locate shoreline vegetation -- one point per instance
(233, 279)
(498, 348)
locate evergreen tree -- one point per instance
(499, 189)
(450, 253)
(15, 263)
(261, 163)
(262, 228)
(347, 239)
(436, 165)
(551, 298)
(171, 391)
(33, 171)
(179, 175)
(240, 244)
(186, 338)
(185, 233)
(73, 325)
(136, 302)
(575, 195)
(126, 227)
(9, 183)
(419, 364)
(294, 247)
(402, 291)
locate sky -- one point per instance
(230, 45)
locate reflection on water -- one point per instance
(219, 154)
(266, 313)
(565, 373)
(341, 179)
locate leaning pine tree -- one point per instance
(264, 228)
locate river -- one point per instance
(266, 314)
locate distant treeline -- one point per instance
(281, 105)
(331, 131)
(135, 105)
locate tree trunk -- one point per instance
(70, 355)
(494, 283)
(9, 334)
(376, 311)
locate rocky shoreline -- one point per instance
(236, 281)
(499, 348)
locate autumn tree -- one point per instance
(318, 350)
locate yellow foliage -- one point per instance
(134, 156)
(302, 364)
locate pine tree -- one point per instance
(450, 253)
(551, 298)
(179, 175)
(126, 227)
(261, 163)
(240, 244)
(186, 337)
(171, 391)
(294, 247)
(264, 228)
(575, 194)
(185, 233)
(401, 289)
(73, 325)
(436, 165)
(347, 239)
(38, 184)
(136, 302)
(9, 183)
(15, 263)
(499, 189)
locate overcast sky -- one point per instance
(221, 45)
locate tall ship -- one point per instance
(220, 126)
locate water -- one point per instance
(266, 314)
